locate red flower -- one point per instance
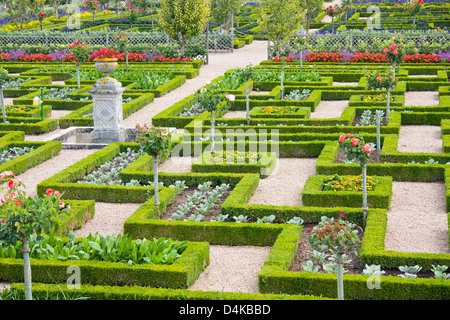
(11, 184)
(355, 141)
(3, 220)
(342, 138)
(18, 202)
(49, 192)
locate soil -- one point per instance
(304, 250)
(182, 198)
(341, 157)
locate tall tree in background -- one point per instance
(280, 19)
(35, 6)
(55, 4)
(17, 8)
(310, 6)
(221, 9)
(183, 19)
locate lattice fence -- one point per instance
(349, 41)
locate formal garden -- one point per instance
(225, 150)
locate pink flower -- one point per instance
(379, 78)
(342, 138)
(61, 204)
(366, 148)
(355, 141)
(57, 193)
(48, 192)
(230, 97)
(395, 52)
(6, 174)
(392, 46)
(386, 50)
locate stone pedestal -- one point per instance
(108, 119)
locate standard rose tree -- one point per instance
(156, 142)
(413, 8)
(22, 216)
(210, 98)
(247, 73)
(80, 53)
(335, 236)
(357, 149)
(386, 80)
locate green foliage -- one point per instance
(221, 9)
(152, 140)
(280, 19)
(183, 19)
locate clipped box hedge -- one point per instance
(181, 274)
(313, 194)
(263, 166)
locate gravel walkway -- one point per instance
(421, 98)
(32, 177)
(284, 185)
(232, 269)
(108, 219)
(420, 139)
(218, 64)
(417, 219)
(329, 109)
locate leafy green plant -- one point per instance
(24, 217)
(335, 236)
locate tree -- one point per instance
(35, 6)
(221, 9)
(335, 236)
(17, 9)
(55, 4)
(310, 7)
(280, 19)
(183, 19)
(210, 98)
(22, 216)
(116, 5)
(155, 142)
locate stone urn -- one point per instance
(106, 65)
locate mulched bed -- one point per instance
(357, 119)
(304, 250)
(341, 157)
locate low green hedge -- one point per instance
(59, 291)
(263, 167)
(276, 278)
(42, 151)
(80, 211)
(313, 194)
(396, 166)
(181, 274)
(65, 180)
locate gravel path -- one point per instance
(421, 98)
(32, 177)
(417, 219)
(420, 139)
(218, 64)
(329, 109)
(232, 269)
(284, 185)
(108, 219)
